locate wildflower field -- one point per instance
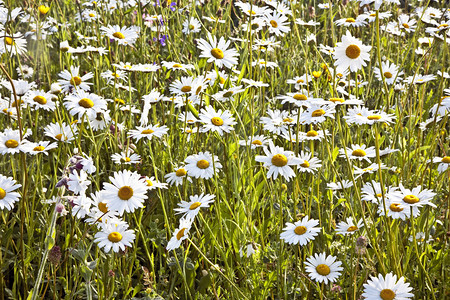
(199, 149)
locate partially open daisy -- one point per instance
(216, 121)
(190, 209)
(122, 35)
(126, 193)
(177, 176)
(323, 268)
(387, 288)
(218, 52)
(201, 165)
(348, 226)
(300, 232)
(115, 236)
(179, 235)
(7, 195)
(351, 53)
(82, 102)
(278, 161)
(148, 132)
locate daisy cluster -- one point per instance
(257, 131)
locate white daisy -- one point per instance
(190, 209)
(177, 176)
(126, 157)
(82, 102)
(62, 133)
(71, 80)
(216, 121)
(218, 52)
(179, 235)
(300, 232)
(323, 268)
(115, 236)
(351, 53)
(149, 132)
(310, 164)
(387, 288)
(201, 165)
(7, 195)
(254, 142)
(348, 226)
(122, 35)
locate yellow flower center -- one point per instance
(127, 159)
(379, 195)
(353, 51)
(288, 120)
(149, 182)
(39, 148)
(300, 81)
(323, 269)
(75, 81)
(374, 117)
(312, 133)
(411, 199)
(395, 207)
(341, 100)
(443, 25)
(352, 228)
(11, 144)
(114, 237)
(387, 294)
(350, 20)
(305, 164)
(180, 233)
(359, 152)
(176, 66)
(222, 80)
(102, 207)
(91, 15)
(118, 35)
(217, 121)
(279, 160)
(9, 40)
(446, 159)
(300, 97)
(195, 205)
(388, 75)
(186, 89)
(217, 53)
(274, 24)
(40, 99)
(58, 136)
(203, 164)
(191, 27)
(373, 15)
(2, 193)
(43, 10)
(125, 193)
(180, 172)
(405, 25)
(257, 142)
(86, 103)
(147, 131)
(318, 113)
(299, 230)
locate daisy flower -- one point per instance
(14, 45)
(148, 132)
(310, 164)
(254, 142)
(250, 9)
(182, 86)
(126, 193)
(351, 53)
(351, 22)
(201, 165)
(387, 288)
(444, 163)
(278, 161)
(218, 52)
(82, 102)
(323, 268)
(228, 93)
(369, 170)
(216, 121)
(81, 206)
(299, 81)
(115, 236)
(300, 232)
(359, 152)
(317, 114)
(336, 186)
(40, 99)
(40, 147)
(371, 191)
(99, 211)
(190, 209)
(312, 135)
(62, 133)
(407, 24)
(278, 23)
(7, 195)
(171, 65)
(179, 235)
(10, 142)
(274, 122)
(152, 183)
(72, 80)
(348, 226)
(417, 197)
(100, 120)
(391, 73)
(177, 176)
(126, 158)
(122, 35)
(191, 25)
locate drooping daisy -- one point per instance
(351, 22)
(323, 268)
(149, 132)
(115, 236)
(126, 193)
(71, 80)
(216, 121)
(122, 35)
(179, 235)
(10, 142)
(387, 288)
(256, 141)
(201, 165)
(7, 195)
(218, 52)
(359, 152)
(278, 161)
(310, 164)
(100, 120)
(82, 102)
(351, 53)
(300, 232)
(177, 176)
(190, 209)
(126, 157)
(348, 226)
